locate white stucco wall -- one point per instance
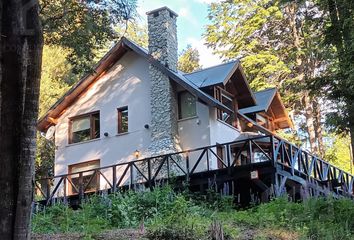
(220, 132)
(126, 84)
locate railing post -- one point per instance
(228, 149)
(168, 167)
(208, 164)
(131, 175)
(149, 174)
(272, 150)
(65, 199)
(250, 151)
(187, 165)
(47, 189)
(81, 186)
(114, 176)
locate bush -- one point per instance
(170, 215)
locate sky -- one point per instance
(191, 22)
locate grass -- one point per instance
(169, 215)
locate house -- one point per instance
(137, 104)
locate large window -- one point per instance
(84, 127)
(90, 179)
(186, 105)
(226, 99)
(123, 120)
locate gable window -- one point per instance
(186, 105)
(228, 100)
(84, 127)
(123, 120)
(90, 179)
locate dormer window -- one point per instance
(84, 127)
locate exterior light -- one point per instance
(137, 154)
(250, 124)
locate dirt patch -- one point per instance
(120, 234)
(247, 233)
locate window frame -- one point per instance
(92, 126)
(119, 120)
(219, 93)
(180, 105)
(70, 172)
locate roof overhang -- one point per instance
(102, 68)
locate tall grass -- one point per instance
(170, 215)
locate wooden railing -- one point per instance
(149, 171)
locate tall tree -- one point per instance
(275, 40)
(188, 61)
(83, 26)
(20, 54)
(338, 85)
(76, 35)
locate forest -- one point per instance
(304, 48)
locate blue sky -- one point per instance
(191, 21)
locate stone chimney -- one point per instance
(162, 31)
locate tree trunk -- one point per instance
(20, 52)
(318, 127)
(301, 68)
(310, 122)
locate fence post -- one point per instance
(65, 198)
(114, 174)
(81, 187)
(48, 189)
(149, 174)
(187, 166)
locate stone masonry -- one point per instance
(162, 30)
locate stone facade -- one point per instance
(163, 46)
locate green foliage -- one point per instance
(56, 79)
(338, 152)
(189, 60)
(83, 26)
(170, 215)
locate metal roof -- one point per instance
(263, 98)
(212, 75)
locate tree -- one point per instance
(20, 53)
(83, 26)
(275, 41)
(189, 60)
(56, 79)
(338, 82)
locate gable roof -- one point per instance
(230, 73)
(212, 75)
(264, 99)
(110, 58)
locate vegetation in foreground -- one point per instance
(164, 214)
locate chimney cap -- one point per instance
(160, 9)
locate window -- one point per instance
(123, 120)
(90, 180)
(84, 127)
(226, 99)
(261, 120)
(186, 105)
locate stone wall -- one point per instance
(163, 47)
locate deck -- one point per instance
(251, 170)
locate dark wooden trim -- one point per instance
(92, 125)
(119, 120)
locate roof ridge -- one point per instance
(267, 89)
(232, 61)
